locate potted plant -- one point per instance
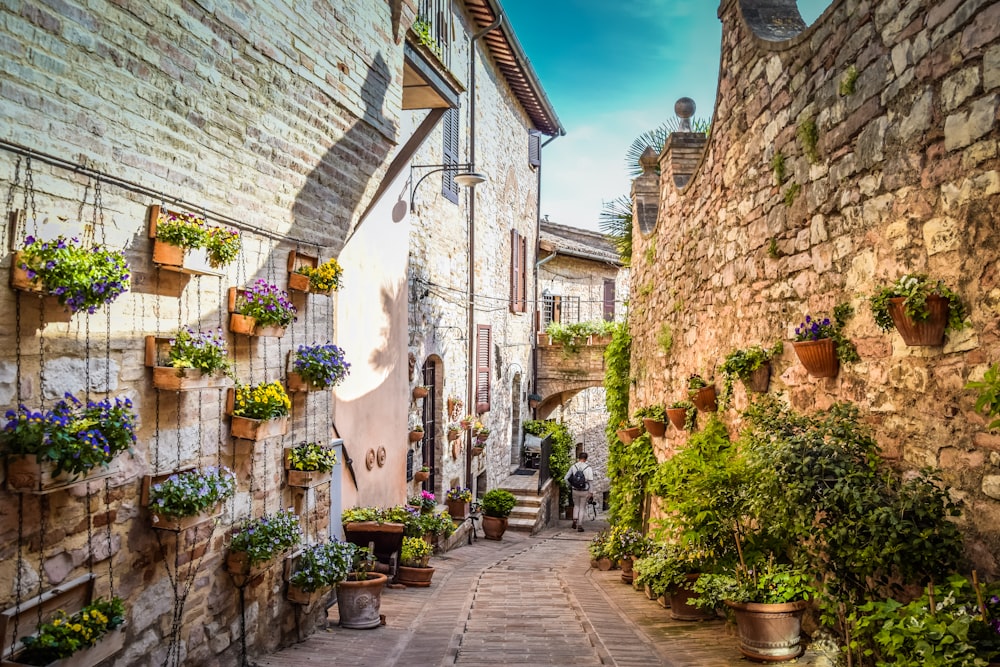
(625, 544)
(185, 242)
(457, 499)
(416, 433)
(682, 415)
(422, 475)
(309, 464)
(425, 502)
(188, 498)
(193, 360)
(671, 570)
(821, 345)
(90, 636)
(702, 394)
(53, 449)
(768, 601)
(259, 411)
(534, 400)
(654, 419)
(421, 391)
(497, 505)
(480, 432)
(306, 277)
(454, 430)
(359, 595)
(455, 405)
(260, 310)
(431, 526)
(80, 278)
(752, 366)
(600, 556)
(256, 544)
(628, 430)
(317, 367)
(921, 309)
(413, 558)
(317, 568)
(467, 421)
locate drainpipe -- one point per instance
(538, 233)
(471, 351)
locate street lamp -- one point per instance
(466, 179)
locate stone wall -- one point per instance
(905, 179)
(236, 113)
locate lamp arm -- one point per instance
(447, 167)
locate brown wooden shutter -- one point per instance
(609, 300)
(449, 188)
(484, 345)
(523, 280)
(515, 269)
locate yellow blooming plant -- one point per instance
(324, 277)
(65, 635)
(312, 457)
(261, 401)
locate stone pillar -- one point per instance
(684, 148)
(646, 193)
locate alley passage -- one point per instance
(522, 602)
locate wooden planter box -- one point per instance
(239, 568)
(253, 429)
(458, 509)
(19, 279)
(296, 595)
(247, 326)
(169, 378)
(110, 644)
(170, 523)
(26, 474)
(305, 479)
(193, 261)
(298, 282)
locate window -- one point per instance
(609, 300)
(562, 309)
(436, 12)
(518, 272)
(449, 188)
(483, 344)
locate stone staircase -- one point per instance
(527, 514)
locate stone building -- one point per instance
(841, 157)
(580, 279)
(299, 127)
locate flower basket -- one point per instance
(110, 644)
(296, 595)
(239, 568)
(295, 383)
(929, 332)
(190, 260)
(655, 427)
(704, 399)
(302, 268)
(26, 474)
(627, 435)
(169, 378)
(818, 356)
(19, 279)
(453, 435)
(416, 436)
(247, 325)
(180, 524)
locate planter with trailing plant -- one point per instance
(69, 443)
(628, 431)
(413, 563)
(258, 411)
(188, 498)
(89, 636)
(309, 465)
(422, 475)
(457, 499)
(425, 503)
(702, 394)
(626, 544)
(190, 360)
(186, 243)
(313, 571)
(751, 366)
(497, 504)
(258, 544)
(306, 274)
(921, 309)
(682, 415)
(820, 344)
(260, 310)
(454, 431)
(316, 367)
(654, 419)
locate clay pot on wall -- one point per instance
(929, 332)
(818, 356)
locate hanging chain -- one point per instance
(29, 195)
(20, 568)
(43, 510)
(10, 204)
(90, 534)
(111, 556)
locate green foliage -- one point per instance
(64, 635)
(666, 566)
(80, 278)
(989, 394)
(626, 542)
(741, 363)
(598, 546)
(778, 167)
(191, 492)
(187, 230)
(814, 328)
(773, 583)
(397, 514)
(954, 634)
(690, 413)
(263, 538)
(535, 427)
(560, 458)
(498, 503)
(650, 254)
(791, 192)
(637, 463)
(665, 338)
(418, 524)
(646, 289)
(847, 81)
(772, 248)
(615, 222)
(414, 550)
(423, 30)
(205, 351)
(915, 288)
(322, 565)
(654, 411)
(808, 135)
(572, 336)
(312, 456)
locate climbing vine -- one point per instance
(626, 494)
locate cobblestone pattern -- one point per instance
(906, 179)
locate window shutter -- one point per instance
(449, 188)
(522, 296)
(483, 347)
(609, 300)
(534, 148)
(515, 270)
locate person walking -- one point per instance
(579, 477)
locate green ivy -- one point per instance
(624, 507)
(988, 401)
(561, 455)
(778, 167)
(808, 135)
(847, 81)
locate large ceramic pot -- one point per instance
(418, 577)
(681, 609)
(769, 632)
(818, 356)
(929, 332)
(359, 602)
(494, 527)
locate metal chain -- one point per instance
(20, 568)
(41, 356)
(99, 209)
(86, 357)
(10, 203)
(17, 345)
(111, 557)
(29, 194)
(90, 534)
(43, 509)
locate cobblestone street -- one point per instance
(522, 602)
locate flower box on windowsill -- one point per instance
(170, 257)
(26, 474)
(299, 282)
(178, 379)
(171, 523)
(247, 326)
(253, 429)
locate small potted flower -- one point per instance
(454, 430)
(481, 432)
(188, 498)
(682, 415)
(259, 411)
(702, 393)
(413, 558)
(921, 309)
(80, 278)
(467, 421)
(599, 554)
(309, 464)
(421, 391)
(752, 366)
(628, 430)
(190, 360)
(821, 345)
(306, 277)
(88, 637)
(260, 310)
(626, 544)
(425, 502)
(422, 475)
(497, 506)
(416, 432)
(185, 242)
(654, 419)
(65, 444)
(457, 499)
(316, 367)
(317, 568)
(257, 544)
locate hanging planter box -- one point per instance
(247, 326)
(193, 261)
(178, 379)
(239, 568)
(759, 379)
(253, 429)
(171, 523)
(110, 643)
(298, 282)
(294, 382)
(19, 279)
(305, 479)
(295, 594)
(26, 474)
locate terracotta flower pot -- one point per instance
(818, 356)
(655, 427)
(359, 602)
(929, 332)
(627, 435)
(604, 564)
(418, 577)
(453, 435)
(704, 399)
(416, 436)
(476, 450)
(627, 572)
(759, 379)
(681, 608)
(677, 417)
(420, 392)
(421, 476)
(494, 527)
(769, 632)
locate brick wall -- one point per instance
(906, 181)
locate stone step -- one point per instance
(520, 525)
(524, 501)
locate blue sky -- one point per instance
(613, 70)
